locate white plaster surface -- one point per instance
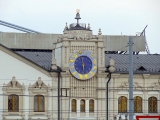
(9, 67)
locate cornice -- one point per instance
(114, 75)
(146, 76)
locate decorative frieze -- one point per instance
(125, 86)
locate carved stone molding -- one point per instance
(154, 86)
(125, 86)
(146, 76)
(39, 88)
(13, 87)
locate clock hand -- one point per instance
(82, 64)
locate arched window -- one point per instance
(38, 103)
(137, 104)
(91, 105)
(74, 105)
(152, 105)
(82, 107)
(13, 103)
(122, 104)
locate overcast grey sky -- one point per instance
(112, 16)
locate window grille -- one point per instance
(74, 104)
(137, 104)
(152, 105)
(82, 107)
(122, 104)
(38, 103)
(91, 105)
(13, 103)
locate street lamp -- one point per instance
(110, 70)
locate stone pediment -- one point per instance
(125, 85)
(14, 84)
(39, 84)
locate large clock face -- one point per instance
(83, 64)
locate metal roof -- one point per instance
(41, 58)
(142, 63)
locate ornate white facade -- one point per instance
(37, 86)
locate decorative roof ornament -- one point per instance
(14, 81)
(78, 26)
(88, 27)
(66, 27)
(39, 82)
(99, 32)
(78, 16)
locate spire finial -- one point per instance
(88, 27)
(99, 32)
(77, 10)
(78, 16)
(66, 26)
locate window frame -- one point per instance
(74, 105)
(151, 111)
(91, 111)
(13, 98)
(83, 105)
(39, 103)
(18, 89)
(120, 98)
(136, 101)
(39, 88)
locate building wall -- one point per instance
(144, 85)
(26, 76)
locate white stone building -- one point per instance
(29, 78)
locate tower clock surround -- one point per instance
(83, 64)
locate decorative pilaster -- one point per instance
(87, 108)
(78, 108)
(145, 103)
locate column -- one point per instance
(103, 98)
(87, 108)
(95, 108)
(99, 105)
(63, 105)
(159, 102)
(145, 103)
(78, 107)
(111, 100)
(115, 94)
(115, 103)
(54, 99)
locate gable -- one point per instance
(10, 59)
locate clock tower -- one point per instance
(81, 55)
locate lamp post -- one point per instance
(110, 70)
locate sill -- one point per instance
(13, 111)
(152, 112)
(39, 111)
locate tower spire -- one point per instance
(78, 16)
